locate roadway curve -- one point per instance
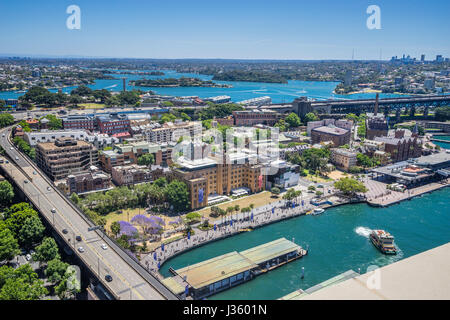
(130, 280)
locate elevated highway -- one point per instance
(130, 279)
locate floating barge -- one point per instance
(229, 270)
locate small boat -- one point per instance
(383, 241)
(317, 211)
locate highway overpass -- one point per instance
(130, 279)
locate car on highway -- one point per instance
(108, 278)
(3, 135)
(53, 210)
(7, 161)
(1, 161)
(11, 148)
(104, 246)
(25, 181)
(78, 238)
(48, 188)
(17, 158)
(80, 249)
(64, 231)
(34, 172)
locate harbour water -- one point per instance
(445, 145)
(240, 91)
(337, 240)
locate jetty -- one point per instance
(229, 270)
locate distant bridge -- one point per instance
(302, 106)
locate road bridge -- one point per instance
(130, 279)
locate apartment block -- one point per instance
(129, 175)
(343, 159)
(172, 131)
(65, 156)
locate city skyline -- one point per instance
(285, 30)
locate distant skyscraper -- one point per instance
(348, 78)
(439, 58)
(422, 58)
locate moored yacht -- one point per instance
(317, 211)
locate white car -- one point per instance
(17, 158)
(28, 257)
(11, 148)
(104, 246)
(53, 210)
(81, 249)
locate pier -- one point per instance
(223, 272)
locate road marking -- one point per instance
(87, 244)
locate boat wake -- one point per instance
(113, 86)
(363, 231)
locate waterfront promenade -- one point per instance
(390, 197)
(232, 225)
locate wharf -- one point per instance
(223, 272)
(397, 197)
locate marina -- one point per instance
(225, 271)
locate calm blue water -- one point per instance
(443, 144)
(241, 90)
(338, 241)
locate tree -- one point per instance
(6, 193)
(56, 270)
(20, 284)
(6, 120)
(31, 232)
(275, 191)
(16, 216)
(9, 247)
(311, 117)
(350, 186)
(178, 195)
(54, 123)
(115, 228)
(442, 113)
(75, 198)
(68, 286)
(293, 120)
(46, 251)
(146, 159)
(193, 217)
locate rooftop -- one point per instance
(331, 130)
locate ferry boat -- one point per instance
(317, 211)
(383, 241)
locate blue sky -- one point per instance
(245, 29)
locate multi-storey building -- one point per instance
(217, 176)
(331, 133)
(65, 156)
(113, 123)
(376, 127)
(93, 180)
(35, 137)
(129, 175)
(343, 159)
(401, 148)
(172, 131)
(255, 116)
(77, 122)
